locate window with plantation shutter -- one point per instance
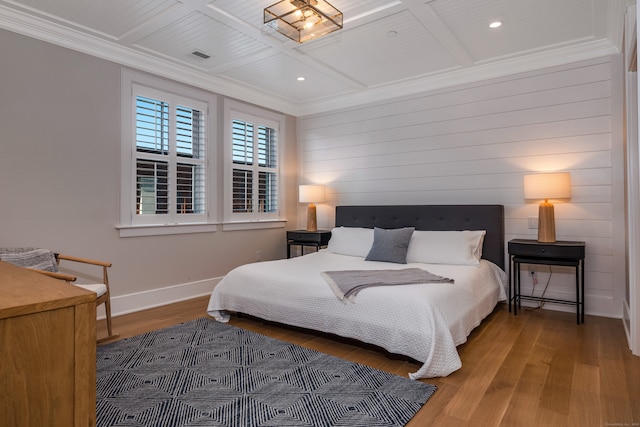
(170, 183)
(253, 188)
(255, 183)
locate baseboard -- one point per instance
(595, 306)
(626, 322)
(130, 303)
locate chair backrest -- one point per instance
(34, 258)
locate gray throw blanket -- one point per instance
(347, 283)
(37, 259)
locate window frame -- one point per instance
(134, 84)
(234, 110)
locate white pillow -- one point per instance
(354, 241)
(446, 247)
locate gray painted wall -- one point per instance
(59, 178)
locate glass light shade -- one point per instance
(311, 193)
(544, 186)
(303, 20)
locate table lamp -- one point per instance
(311, 194)
(545, 186)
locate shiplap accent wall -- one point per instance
(472, 144)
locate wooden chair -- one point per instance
(33, 258)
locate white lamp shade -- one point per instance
(311, 193)
(543, 186)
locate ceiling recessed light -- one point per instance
(392, 34)
(300, 79)
(495, 24)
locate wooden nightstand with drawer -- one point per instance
(304, 238)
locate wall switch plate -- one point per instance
(533, 221)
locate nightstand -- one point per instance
(564, 253)
(304, 238)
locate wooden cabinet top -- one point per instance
(23, 291)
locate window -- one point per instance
(165, 157)
(157, 191)
(248, 146)
(253, 152)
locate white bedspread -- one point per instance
(425, 322)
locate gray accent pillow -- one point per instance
(34, 258)
(390, 245)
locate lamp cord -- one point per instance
(546, 286)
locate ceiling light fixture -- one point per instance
(303, 20)
(495, 24)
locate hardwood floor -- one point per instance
(536, 369)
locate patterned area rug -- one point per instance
(206, 373)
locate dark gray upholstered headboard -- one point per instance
(434, 217)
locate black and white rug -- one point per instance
(205, 373)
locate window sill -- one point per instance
(253, 225)
(169, 229)
(165, 229)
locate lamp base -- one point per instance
(546, 223)
(312, 223)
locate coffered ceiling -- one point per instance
(386, 48)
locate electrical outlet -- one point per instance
(533, 221)
(533, 275)
(258, 255)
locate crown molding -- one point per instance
(41, 29)
(616, 20)
(460, 76)
(59, 35)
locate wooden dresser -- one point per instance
(47, 351)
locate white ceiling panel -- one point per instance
(279, 74)
(248, 11)
(527, 25)
(387, 47)
(199, 32)
(390, 49)
(113, 17)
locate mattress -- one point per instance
(425, 322)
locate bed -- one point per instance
(423, 321)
